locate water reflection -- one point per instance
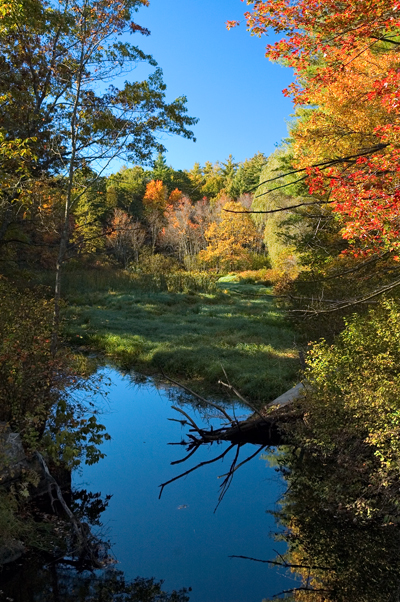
(338, 530)
(38, 581)
(179, 539)
(343, 535)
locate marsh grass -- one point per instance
(189, 334)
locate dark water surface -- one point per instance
(179, 538)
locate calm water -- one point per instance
(179, 538)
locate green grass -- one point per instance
(190, 336)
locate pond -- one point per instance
(180, 538)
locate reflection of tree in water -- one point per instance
(339, 527)
(65, 575)
(341, 512)
(36, 582)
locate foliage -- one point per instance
(231, 241)
(10, 525)
(126, 237)
(155, 196)
(186, 224)
(35, 388)
(348, 147)
(246, 177)
(28, 373)
(37, 578)
(355, 387)
(340, 553)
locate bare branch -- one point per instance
(206, 401)
(324, 164)
(192, 422)
(376, 293)
(285, 564)
(280, 208)
(196, 447)
(247, 403)
(195, 468)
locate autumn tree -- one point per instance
(232, 240)
(186, 225)
(155, 203)
(126, 238)
(170, 177)
(345, 60)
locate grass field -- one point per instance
(192, 336)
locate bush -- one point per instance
(28, 373)
(355, 389)
(36, 389)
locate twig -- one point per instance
(300, 589)
(188, 456)
(376, 293)
(195, 468)
(250, 405)
(245, 461)
(228, 480)
(192, 422)
(206, 401)
(285, 564)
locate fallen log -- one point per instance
(267, 427)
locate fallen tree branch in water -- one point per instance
(206, 401)
(265, 428)
(195, 468)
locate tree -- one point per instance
(197, 180)
(214, 181)
(247, 176)
(126, 238)
(344, 54)
(186, 223)
(126, 189)
(57, 64)
(155, 202)
(232, 240)
(170, 177)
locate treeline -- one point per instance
(139, 212)
(182, 214)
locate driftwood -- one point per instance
(265, 428)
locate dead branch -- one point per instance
(345, 304)
(206, 401)
(192, 422)
(195, 468)
(284, 564)
(228, 479)
(239, 396)
(195, 448)
(259, 450)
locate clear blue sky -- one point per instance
(231, 87)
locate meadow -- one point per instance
(189, 327)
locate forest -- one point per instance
(250, 276)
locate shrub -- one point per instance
(355, 386)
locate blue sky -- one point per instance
(231, 87)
